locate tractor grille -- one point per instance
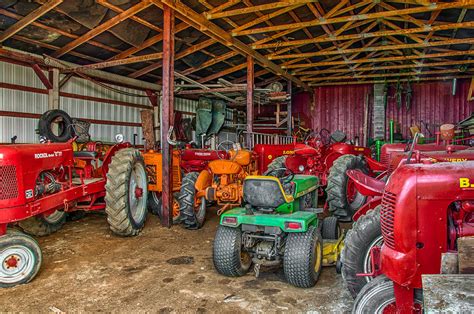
(8, 184)
(387, 216)
(384, 158)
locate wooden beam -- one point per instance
(412, 79)
(222, 36)
(375, 60)
(250, 108)
(376, 48)
(364, 35)
(167, 112)
(113, 63)
(29, 19)
(376, 15)
(102, 28)
(256, 8)
(389, 67)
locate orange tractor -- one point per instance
(221, 182)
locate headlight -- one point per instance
(119, 138)
(301, 168)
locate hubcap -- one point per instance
(137, 185)
(17, 262)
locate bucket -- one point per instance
(447, 131)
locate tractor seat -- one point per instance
(85, 154)
(265, 192)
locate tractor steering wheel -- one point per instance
(284, 179)
(232, 145)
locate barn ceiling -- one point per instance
(309, 42)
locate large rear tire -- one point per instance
(342, 196)
(355, 256)
(276, 167)
(42, 225)
(303, 257)
(126, 193)
(20, 259)
(378, 296)
(228, 255)
(192, 211)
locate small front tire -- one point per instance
(330, 229)
(20, 259)
(42, 225)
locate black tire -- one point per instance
(330, 229)
(21, 259)
(43, 225)
(275, 168)
(302, 258)
(192, 215)
(75, 215)
(229, 259)
(155, 205)
(65, 127)
(355, 255)
(377, 295)
(336, 189)
(127, 168)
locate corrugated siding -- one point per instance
(31, 102)
(342, 107)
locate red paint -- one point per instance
(342, 107)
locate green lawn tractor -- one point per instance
(278, 225)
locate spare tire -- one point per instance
(46, 126)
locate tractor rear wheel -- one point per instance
(43, 225)
(228, 255)
(20, 259)
(126, 193)
(192, 210)
(355, 256)
(342, 196)
(277, 166)
(303, 257)
(330, 228)
(378, 297)
(155, 205)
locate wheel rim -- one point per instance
(137, 192)
(175, 209)
(17, 263)
(317, 264)
(55, 217)
(245, 259)
(377, 242)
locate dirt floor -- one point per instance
(87, 268)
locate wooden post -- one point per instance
(167, 114)
(250, 88)
(53, 92)
(289, 116)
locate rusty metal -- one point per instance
(250, 87)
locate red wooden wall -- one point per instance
(342, 107)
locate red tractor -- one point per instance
(365, 233)
(41, 183)
(328, 157)
(425, 209)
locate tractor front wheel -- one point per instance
(342, 195)
(303, 257)
(355, 256)
(192, 210)
(43, 225)
(378, 297)
(20, 259)
(155, 206)
(228, 255)
(126, 193)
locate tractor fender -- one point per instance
(366, 184)
(203, 181)
(374, 165)
(376, 201)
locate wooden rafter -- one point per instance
(29, 19)
(412, 79)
